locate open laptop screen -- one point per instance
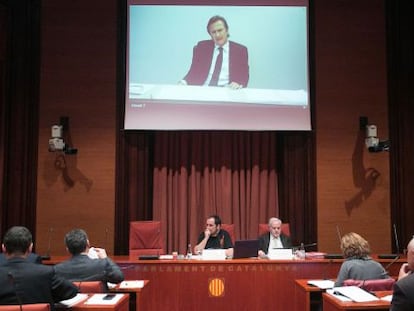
(246, 248)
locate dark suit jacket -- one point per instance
(264, 240)
(403, 294)
(32, 257)
(202, 57)
(83, 268)
(26, 282)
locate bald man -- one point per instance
(403, 295)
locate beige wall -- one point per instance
(78, 80)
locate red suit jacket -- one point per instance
(202, 56)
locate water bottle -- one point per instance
(301, 251)
(189, 252)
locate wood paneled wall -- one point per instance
(78, 80)
(351, 81)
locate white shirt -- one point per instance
(275, 243)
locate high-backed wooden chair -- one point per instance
(263, 228)
(372, 285)
(230, 229)
(27, 307)
(146, 238)
(90, 286)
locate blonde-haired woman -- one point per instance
(358, 264)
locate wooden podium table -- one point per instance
(134, 292)
(331, 303)
(307, 297)
(121, 305)
(237, 284)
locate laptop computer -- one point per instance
(245, 248)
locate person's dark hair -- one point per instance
(76, 241)
(214, 19)
(217, 219)
(17, 240)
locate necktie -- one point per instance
(217, 68)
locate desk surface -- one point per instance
(121, 305)
(330, 303)
(182, 93)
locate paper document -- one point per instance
(322, 284)
(387, 298)
(100, 299)
(338, 296)
(132, 284)
(73, 301)
(354, 293)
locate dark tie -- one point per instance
(217, 68)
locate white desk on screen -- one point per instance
(190, 93)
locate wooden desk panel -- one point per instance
(307, 297)
(234, 284)
(240, 284)
(134, 293)
(330, 303)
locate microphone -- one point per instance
(11, 280)
(310, 245)
(391, 263)
(49, 245)
(338, 232)
(397, 245)
(106, 238)
(306, 245)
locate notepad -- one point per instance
(213, 254)
(98, 299)
(354, 293)
(132, 284)
(72, 301)
(280, 253)
(322, 284)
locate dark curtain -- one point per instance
(19, 77)
(400, 41)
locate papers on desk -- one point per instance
(100, 299)
(322, 284)
(213, 254)
(72, 301)
(387, 298)
(352, 293)
(280, 254)
(132, 284)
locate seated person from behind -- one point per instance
(358, 265)
(24, 282)
(214, 237)
(32, 257)
(81, 267)
(403, 291)
(274, 238)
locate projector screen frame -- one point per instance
(302, 121)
